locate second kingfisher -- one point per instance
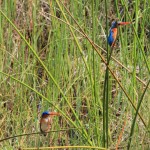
(46, 121)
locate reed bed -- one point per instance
(54, 56)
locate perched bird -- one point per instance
(113, 32)
(46, 121)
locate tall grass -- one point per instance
(53, 57)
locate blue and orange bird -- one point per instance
(46, 121)
(113, 32)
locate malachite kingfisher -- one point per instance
(46, 121)
(113, 32)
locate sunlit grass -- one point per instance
(48, 65)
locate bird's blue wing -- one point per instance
(110, 38)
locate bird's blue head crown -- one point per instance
(45, 113)
(114, 24)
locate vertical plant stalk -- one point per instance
(135, 53)
(136, 113)
(106, 90)
(95, 98)
(106, 98)
(93, 38)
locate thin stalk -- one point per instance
(65, 147)
(33, 133)
(134, 52)
(94, 11)
(106, 89)
(106, 101)
(93, 38)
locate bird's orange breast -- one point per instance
(45, 124)
(114, 30)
